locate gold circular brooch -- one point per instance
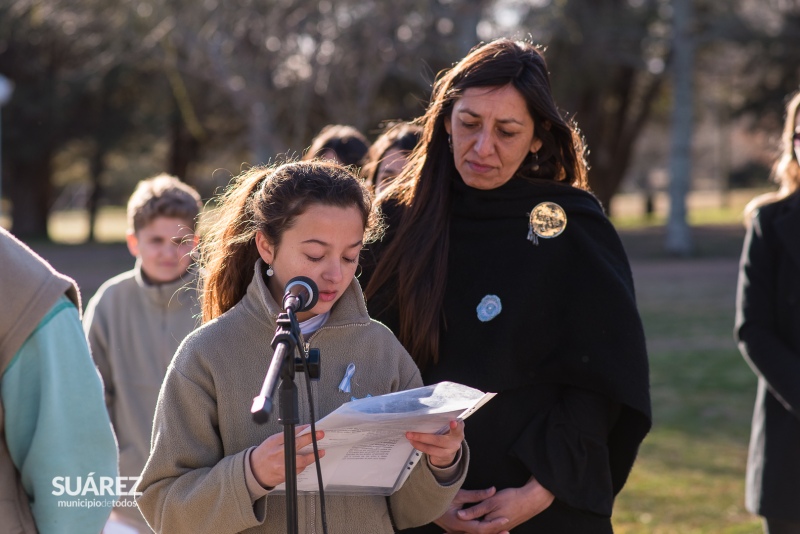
(548, 219)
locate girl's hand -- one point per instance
(440, 448)
(268, 463)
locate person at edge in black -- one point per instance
(499, 270)
(766, 330)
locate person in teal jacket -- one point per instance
(58, 455)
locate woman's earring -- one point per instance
(535, 166)
(270, 271)
(450, 142)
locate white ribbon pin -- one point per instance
(344, 385)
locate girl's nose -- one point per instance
(333, 272)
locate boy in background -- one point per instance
(137, 319)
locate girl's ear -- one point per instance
(265, 248)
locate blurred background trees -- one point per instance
(108, 92)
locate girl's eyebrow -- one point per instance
(324, 244)
(477, 116)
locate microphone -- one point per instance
(301, 294)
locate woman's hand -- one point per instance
(453, 524)
(440, 448)
(516, 505)
(268, 463)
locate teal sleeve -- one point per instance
(57, 428)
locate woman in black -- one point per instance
(768, 332)
(500, 271)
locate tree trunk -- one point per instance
(612, 98)
(467, 16)
(30, 193)
(678, 240)
(96, 168)
(183, 148)
(261, 139)
(606, 174)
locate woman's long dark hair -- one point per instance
(417, 256)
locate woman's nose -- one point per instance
(484, 144)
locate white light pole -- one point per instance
(6, 88)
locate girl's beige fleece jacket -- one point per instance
(194, 480)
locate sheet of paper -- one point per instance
(366, 450)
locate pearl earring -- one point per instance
(270, 271)
(535, 166)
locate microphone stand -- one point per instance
(286, 340)
(300, 294)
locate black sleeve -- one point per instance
(565, 448)
(590, 438)
(756, 318)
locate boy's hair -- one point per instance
(162, 196)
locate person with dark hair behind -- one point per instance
(389, 153)
(211, 468)
(499, 270)
(338, 142)
(767, 319)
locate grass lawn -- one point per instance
(689, 477)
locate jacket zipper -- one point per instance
(306, 347)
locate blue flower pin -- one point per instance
(489, 308)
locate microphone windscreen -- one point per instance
(303, 288)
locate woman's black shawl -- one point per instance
(566, 352)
